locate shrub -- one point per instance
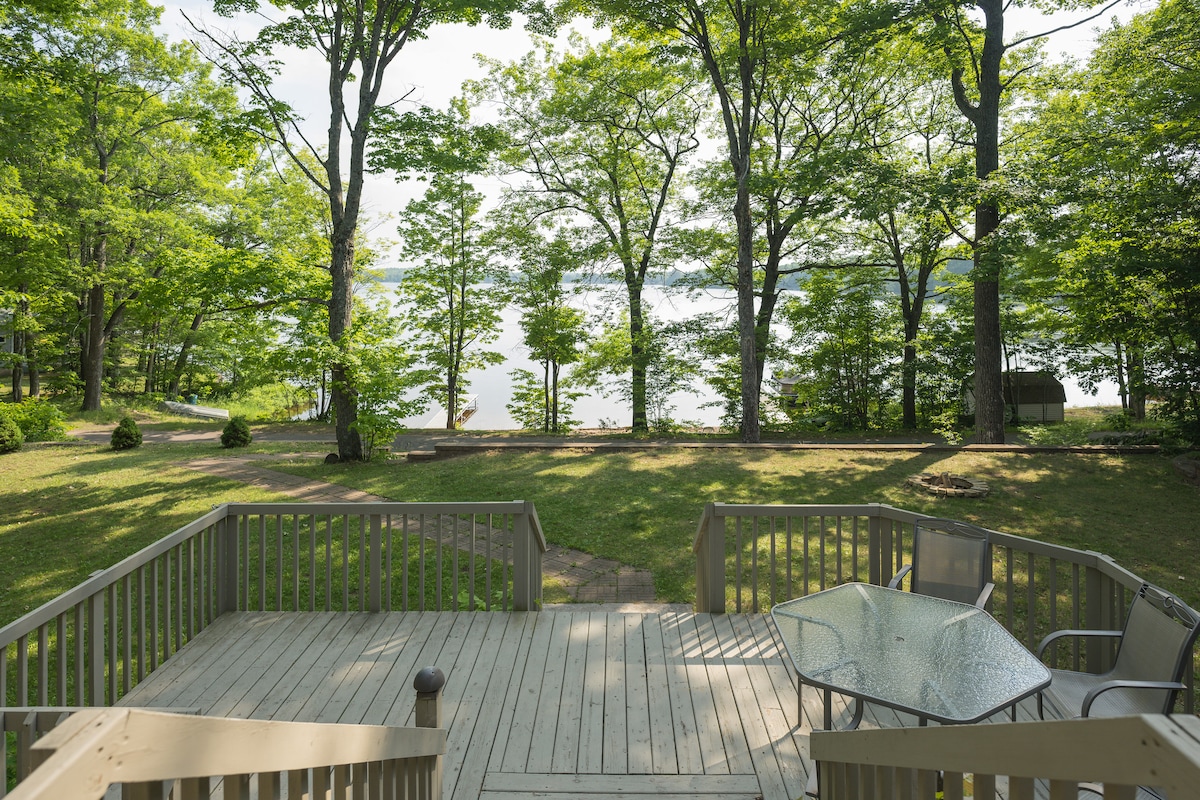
(236, 433)
(11, 437)
(127, 435)
(39, 420)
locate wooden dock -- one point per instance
(564, 703)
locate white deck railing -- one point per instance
(93, 643)
(1018, 761)
(751, 557)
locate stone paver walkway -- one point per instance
(585, 578)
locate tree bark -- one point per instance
(985, 118)
(93, 352)
(637, 355)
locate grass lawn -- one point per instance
(73, 509)
(642, 508)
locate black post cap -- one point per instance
(429, 680)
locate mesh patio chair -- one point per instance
(1154, 652)
(950, 560)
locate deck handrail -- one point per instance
(1122, 753)
(96, 748)
(90, 645)
(750, 557)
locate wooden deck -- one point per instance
(564, 703)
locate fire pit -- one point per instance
(946, 485)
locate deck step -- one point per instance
(422, 455)
(505, 785)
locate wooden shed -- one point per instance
(1029, 396)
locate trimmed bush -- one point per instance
(127, 435)
(11, 437)
(236, 433)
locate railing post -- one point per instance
(875, 548)
(227, 565)
(710, 564)
(526, 596)
(96, 647)
(1099, 615)
(428, 683)
(374, 592)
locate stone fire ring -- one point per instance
(947, 485)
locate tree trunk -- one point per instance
(747, 332)
(93, 351)
(185, 350)
(31, 367)
(546, 396)
(637, 354)
(989, 392)
(554, 399)
(18, 371)
(345, 399)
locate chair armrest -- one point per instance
(1096, 691)
(985, 595)
(1073, 632)
(894, 583)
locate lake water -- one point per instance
(493, 386)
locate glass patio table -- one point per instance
(937, 659)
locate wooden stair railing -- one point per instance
(1122, 753)
(151, 754)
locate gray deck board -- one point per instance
(562, 704)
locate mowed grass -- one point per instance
(643, 507)
(74, 509)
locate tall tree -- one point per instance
(137, 110)
(602, 135)
(978, 76)
(358, 42)
(905, 194)
(1119, 153)
(553, 329)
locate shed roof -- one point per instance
(1032, 387)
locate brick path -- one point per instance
(587, 579)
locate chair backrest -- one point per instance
(950, 559)
(1160, 632)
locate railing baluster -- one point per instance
(154, 615)
(363, 591)
(43, 662)
(821, 545)
(80, 635)
(375, 592)
(329, 563)
(841, 574)
(279, 562)
(438, 558)
(62, 653)
(773, 567)
(387, 574)
(312, 562)
(472, 543)
(112, 641)
(262, 562)
(127, 635)
(404, 562)
(345, 562)
(421, 561)
(454, 590)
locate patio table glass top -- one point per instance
(935, 658)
